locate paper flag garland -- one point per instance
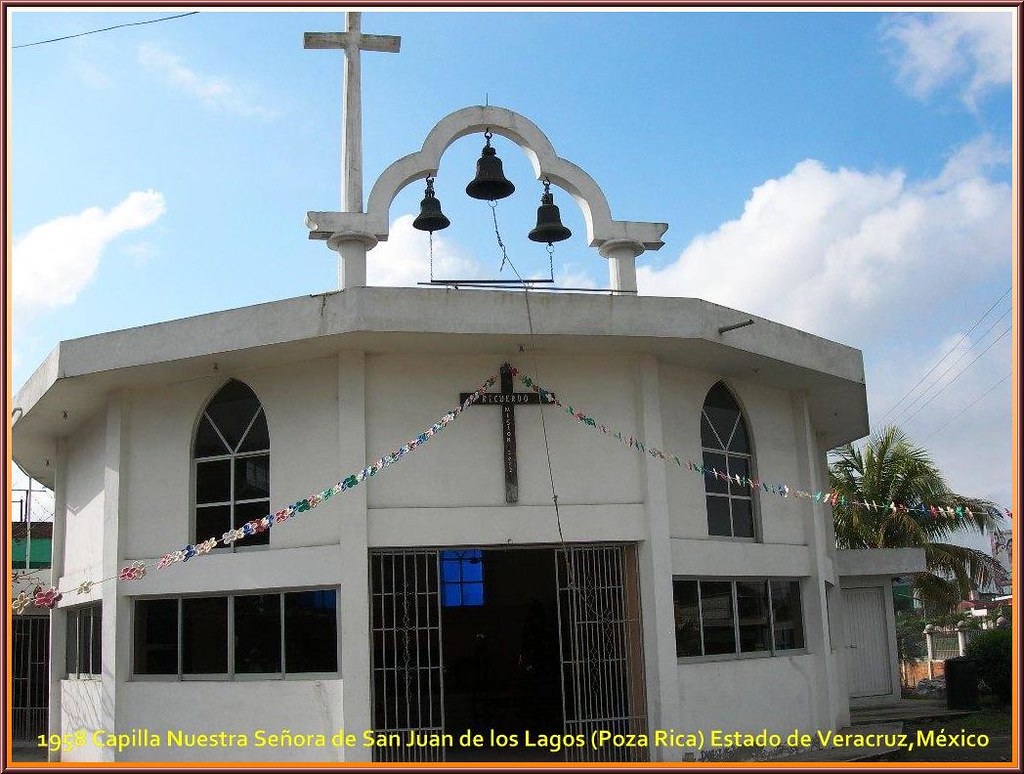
(50, 597)
(776, 488)
(137, 570)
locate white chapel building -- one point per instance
(515, 571)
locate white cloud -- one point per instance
(213, 91)
(848, 254)
(55, 260)
(404, 259)
(970, 50)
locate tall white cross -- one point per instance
(352, 41)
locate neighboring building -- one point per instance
(31, 551)
(1002, 552)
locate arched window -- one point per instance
(232, 465)
(723, 434)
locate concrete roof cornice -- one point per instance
(78, 375)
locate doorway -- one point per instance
(499, 617)
(506, 643)
(870, 670)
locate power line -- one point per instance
(950, 352)
(107, 29)
(938, 379)
(959, 374)
(969, 405)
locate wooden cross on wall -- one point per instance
(508, 399)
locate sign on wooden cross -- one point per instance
(352, 41)
(508, 399)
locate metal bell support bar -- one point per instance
(490, 183)
(430, 218)
(549, 221)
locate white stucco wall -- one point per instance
(303, 444)
(300, 706)
(84, 483)
(750, 695)
(451, 492)
(81, 716)
(769, 417)
(464, 467)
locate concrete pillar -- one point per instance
(116, 640)
(351, 248)
(354, 602)
(928, 644)
(58, 617)
(830, 710)
(655, 555)
(621, 255)
(961, 638)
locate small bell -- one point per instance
(549, 222)
(430, 218)
(490, 182)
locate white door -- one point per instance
(870, 672)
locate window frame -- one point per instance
(732, 580)
(75, 614)
(460, 560)
(246, 543)
(750, 457)
(231, 675)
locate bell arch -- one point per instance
(373, 225)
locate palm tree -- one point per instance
(890, 469)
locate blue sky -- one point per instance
(843, 172)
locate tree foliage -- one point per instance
(889, 469)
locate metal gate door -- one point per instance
(407, 676)
(601, 648)
(30, 676)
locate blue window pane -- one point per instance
(472, 570)
(473, 594)
(451, 595)
(450, 572)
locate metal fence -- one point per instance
(30, 676)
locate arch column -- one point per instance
(351, 247)
(621, 255)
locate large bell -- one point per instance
(490, 182)
(430, 218)
(549, 221)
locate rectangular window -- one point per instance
(718, 617)
(84, 641)
(204, 635)
(311, 631)
(462, 578)
(687, 609)
(156, 637)
(258, 634)
(246, 634)
(789, 623)
(752, 603)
